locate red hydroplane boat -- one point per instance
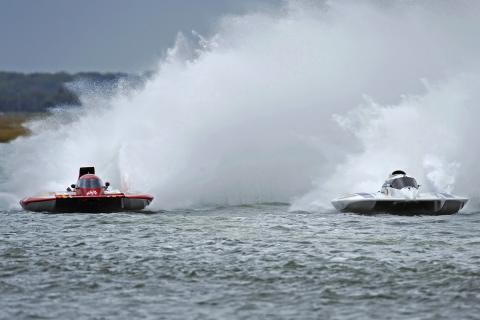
(88, 195)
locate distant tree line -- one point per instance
(37, 92)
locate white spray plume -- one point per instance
(273, 107)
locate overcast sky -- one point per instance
(102, 35)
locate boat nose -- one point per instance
(409, 193)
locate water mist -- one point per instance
(297, 105)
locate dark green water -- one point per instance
(251, 262)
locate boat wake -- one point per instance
(299, 104)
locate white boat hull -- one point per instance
(432, 204)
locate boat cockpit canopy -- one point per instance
(403, 182)
(91, 183)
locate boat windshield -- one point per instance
(89, 183)
(404, 182)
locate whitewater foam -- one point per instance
(296, 105)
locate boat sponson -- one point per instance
(406, 207)
(94, 204)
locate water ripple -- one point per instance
(238, 262)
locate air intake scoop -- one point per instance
(86, 170)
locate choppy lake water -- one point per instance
(248, 262)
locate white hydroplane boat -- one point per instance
(400, 195)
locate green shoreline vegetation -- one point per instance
(12, 125)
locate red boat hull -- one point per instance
(92, 204)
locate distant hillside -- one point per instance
(36, 92)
